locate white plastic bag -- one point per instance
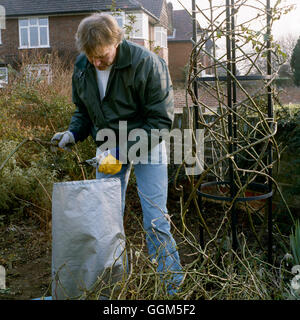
(88, 239)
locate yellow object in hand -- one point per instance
(108, 164)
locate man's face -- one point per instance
(103, 57)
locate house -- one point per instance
(47, 25)
(50, 25)
(180, 44)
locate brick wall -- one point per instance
(62, 31)
(179, 55)
(59, 27)
(10, 40)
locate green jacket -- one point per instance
(139, 91)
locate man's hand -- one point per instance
(109, 162)
(64, 140)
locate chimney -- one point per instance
(170, 17)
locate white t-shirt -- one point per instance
(102, 79)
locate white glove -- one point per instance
(63, 140)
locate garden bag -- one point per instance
(88, 240)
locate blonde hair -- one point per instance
(99, 29)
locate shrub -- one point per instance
(295, 63)
(33, 108)
(288, 177)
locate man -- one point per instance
(116, 81)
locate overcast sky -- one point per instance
(289, 23)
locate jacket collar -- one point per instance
(123, 59)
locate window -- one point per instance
(3, 76)
(160, 37)
(39, 72)
(34, 32)
(140, 28)
(173, 36)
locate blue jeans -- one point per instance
(152, 184)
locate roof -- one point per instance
(154, 6)
(158, 8)
(182, 26)
(37, 7)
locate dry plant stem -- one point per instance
(214, 164)
(183, 214)
(79, 161)
(43, 187)
(37, 140)
(33, 204)
(13, 152)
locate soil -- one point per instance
(25, 252)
